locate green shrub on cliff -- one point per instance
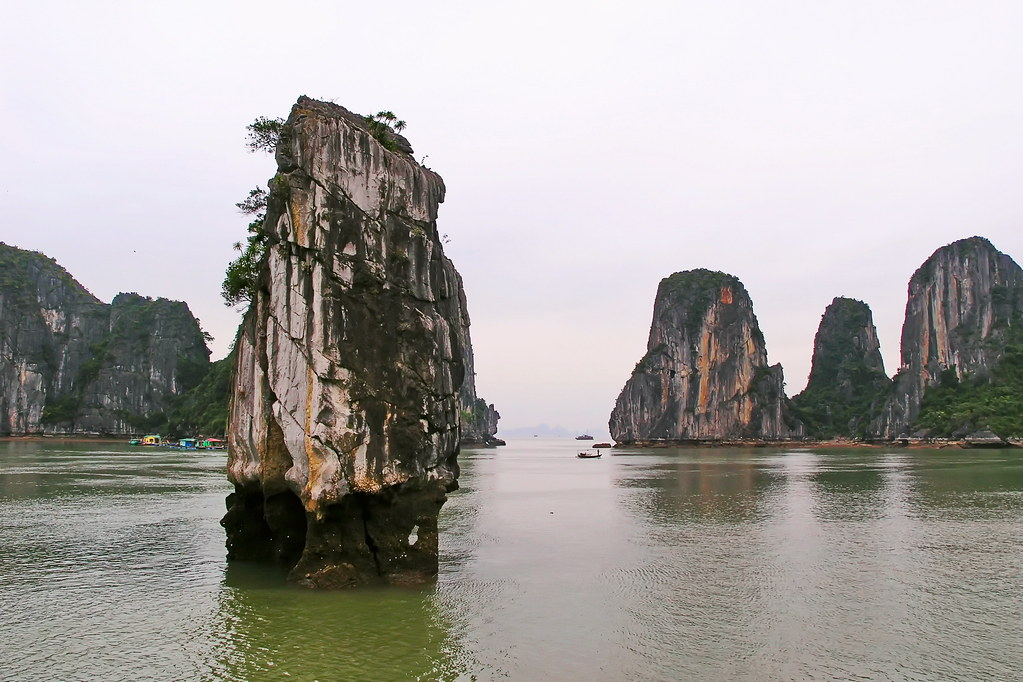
(829, 411)
(264, 134)
(847, 384)
(381, 125)
(61, 410)
(239, 284)
(243, 272)
(242, 275)
(695, 291)
(956, 406)
(203, 409)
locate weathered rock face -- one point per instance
(478, 419)
(344, 425)
(479, 423)
(964, 306)
(154, 350)
(70, 364)
(847, 378)
(705, 374)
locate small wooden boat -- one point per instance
(588, 454)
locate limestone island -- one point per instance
(705, 378)
(354, 363)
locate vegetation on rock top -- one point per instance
(20, 267)
(242, 276)
(957, 407)
(847, 383)
(695, 291)
(381, 125)
(264, 134)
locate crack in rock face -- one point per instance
(345, 420)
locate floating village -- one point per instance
(155, 440)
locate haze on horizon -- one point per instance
(589, 150)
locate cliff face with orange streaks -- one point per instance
(345, 422)
(705, 374)
(965, 306)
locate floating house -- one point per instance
(152, 440)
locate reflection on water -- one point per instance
(708, 485)
(269, 631)
(645, 564)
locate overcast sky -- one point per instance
(813, 149)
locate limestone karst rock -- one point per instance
(847, 378)
(70, 364)
(478, 419)
(705, 374)
(965, 306)
(344, 425)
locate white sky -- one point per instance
(811, 148)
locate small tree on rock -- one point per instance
(381, 125)
(264, 134)
(240, 280)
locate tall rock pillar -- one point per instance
(964, 307)
(344, 425)
(847, 382)
(705, 374)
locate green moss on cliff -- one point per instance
(474, 418)
(646, 363)
(847, 384)
(22, 270)
(204, 408)
(201, 410)
(956, 407)
(89, 371)
(695, 291)
(62, 410)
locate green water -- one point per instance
(647, 565)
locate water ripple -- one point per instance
(665, 565)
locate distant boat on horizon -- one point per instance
(585, 436)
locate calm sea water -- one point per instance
(673, 564)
